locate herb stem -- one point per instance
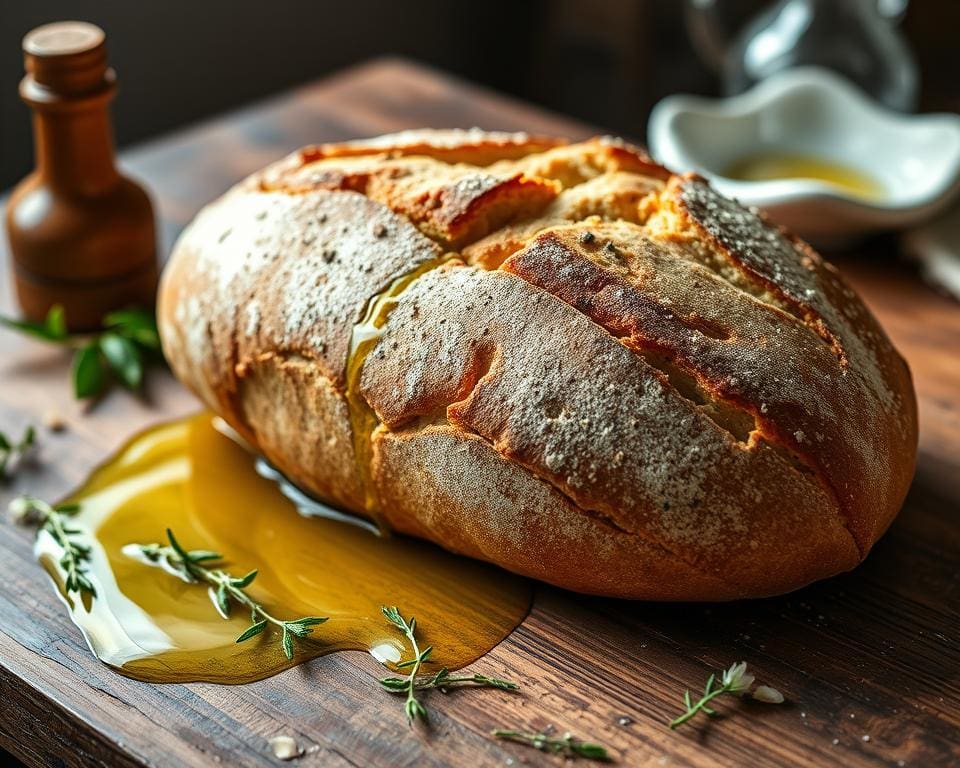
(700, 706)
(566, 744)
(413, 707)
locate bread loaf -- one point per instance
(560, 358)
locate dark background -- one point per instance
(605, 61)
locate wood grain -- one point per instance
(869, 661)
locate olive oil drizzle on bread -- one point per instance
(363, 420)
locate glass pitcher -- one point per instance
(856, 38)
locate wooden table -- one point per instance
(869, 661)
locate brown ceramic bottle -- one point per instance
(81, 234)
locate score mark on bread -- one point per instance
(560, 358)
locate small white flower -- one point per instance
(20, 510)
(736, 679)
(767, 695)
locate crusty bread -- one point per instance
(588, 370)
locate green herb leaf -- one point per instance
(287, 643)
(124, 359)
(244, 581)
(87, 372)
(203, 555)
(129, 335)
(56, 323)
(175, 545)
(309, 621)
(252, 631)
(395, 684)
(222, 601)
(53, 328)
(138, 325)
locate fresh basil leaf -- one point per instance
(124, 359)
(87, 372)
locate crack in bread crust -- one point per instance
(767, 373)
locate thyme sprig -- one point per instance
(13, 453)
(55, 520)
(120, 351)
(198, 567)
(442, 679)
(567, 744)
(413, 707)
(445, 681)
(735, 681)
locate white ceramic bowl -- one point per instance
(813, 112)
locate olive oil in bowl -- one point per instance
(772, 166)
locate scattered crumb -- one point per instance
(624, 720)
(285, 747)
(835, 742)
(54, 420)
(865, 737)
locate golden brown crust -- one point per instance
(450, 203)
(472, 146)
(622, 369)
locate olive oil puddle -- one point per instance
(185, 475)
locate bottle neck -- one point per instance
(74, 148)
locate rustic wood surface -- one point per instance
(869, 661)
